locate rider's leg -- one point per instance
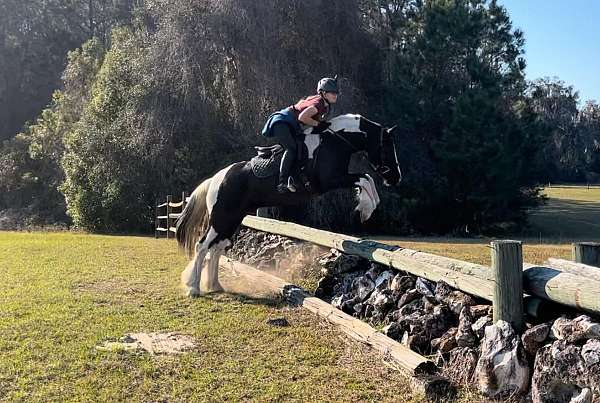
(285, 137)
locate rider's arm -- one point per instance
(307, 114)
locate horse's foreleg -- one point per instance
(374, 193)
(210, 276)
(366, 203)
(190, 277)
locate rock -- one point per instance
(416, 342)
(502, 368)
(442, 290)
(477, 311)
(584, 328)
(401, 283)
(438, 322)
(425, 287)
(382, 302)
(580, 328)
(411, 307)
(428, 304)
(410, 322)
(465, 337)
(585, 396)
(393, 331)
(446, 342)
(561, 328)
(591, 352)
(561, 373)
(383, 280)
(338, 300)
(533, 339)
(348, 305)
(480, 324)
(457, 300)
(461, 365)
(375, 269)
(409, 297)
(325, 286)
(359, 309)
(345, 282)
(363, 286)
(336, 263)
(279, 322)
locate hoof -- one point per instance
(192, 292)
(215, 288)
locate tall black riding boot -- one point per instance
(286, 183)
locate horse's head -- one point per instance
(379, 144)
(380, 148)
(388, 167)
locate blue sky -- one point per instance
(562, 39)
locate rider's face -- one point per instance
(331, 97)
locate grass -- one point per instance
(571, 214)
(61, 294)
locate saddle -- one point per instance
(268, 151)
(267, 160)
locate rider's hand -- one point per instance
(322, 126)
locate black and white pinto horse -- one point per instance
(218, 205)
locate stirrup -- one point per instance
(291, 185)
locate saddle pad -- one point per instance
(265, 167)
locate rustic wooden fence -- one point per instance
(166, 215)
(513, 286)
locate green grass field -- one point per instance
(572, 212)
(61, 294)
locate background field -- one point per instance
(572, 213)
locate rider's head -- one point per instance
(328, 89)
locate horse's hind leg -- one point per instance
(210, 275)
(190, 277)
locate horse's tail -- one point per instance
(193, 221)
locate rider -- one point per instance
(285, 125)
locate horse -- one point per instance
(218, 205)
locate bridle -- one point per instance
(381, 169)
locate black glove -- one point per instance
(322, 126)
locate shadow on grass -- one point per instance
(276, 301)
(567, 219)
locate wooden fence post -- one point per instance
(587, 253)
(156, 220)
(507, 266)
(169, 198)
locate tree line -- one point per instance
(140, 99)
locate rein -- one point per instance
(379, 169)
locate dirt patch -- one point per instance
(153, 343)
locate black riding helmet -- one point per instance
(328, 84)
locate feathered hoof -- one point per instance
(192, 292)
(215, 288)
